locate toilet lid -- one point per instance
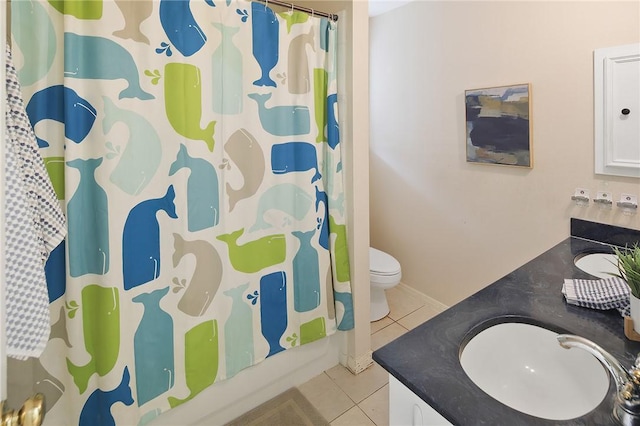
(382, 263)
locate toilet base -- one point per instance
(379, 304)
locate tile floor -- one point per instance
(345, 399)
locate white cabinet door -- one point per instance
(408, 409)
(616, 72)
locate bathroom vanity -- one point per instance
(427, 383)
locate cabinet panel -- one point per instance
(617, 110)
(408, 409)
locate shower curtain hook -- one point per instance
(266, 4)
(292, 8)
(312, 12)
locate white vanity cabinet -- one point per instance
(408, 409)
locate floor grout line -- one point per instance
(399, 300)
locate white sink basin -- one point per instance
(523, 366)
(601, 265)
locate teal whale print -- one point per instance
(239, 348)
(153, 348)
(102, 59)
(285, 197)
(203, 198)
(88, 222)
(282, 120)
(227, 73)
(36, 41)
(141, 157)
(306, 274)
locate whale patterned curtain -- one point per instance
(195, 148)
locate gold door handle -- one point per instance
(30, 414)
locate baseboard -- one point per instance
(427, 299)
(361, 363)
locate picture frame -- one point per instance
(498, 125)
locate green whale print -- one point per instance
(257, 254)
(183, 102)
(200, 359)
(101, 330)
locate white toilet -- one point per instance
(384, 273)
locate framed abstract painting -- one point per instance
(499, 125)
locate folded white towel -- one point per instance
(607, 293)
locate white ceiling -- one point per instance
(378, 7)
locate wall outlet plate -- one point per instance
(581, 192)
(629, 199)
(581, 197)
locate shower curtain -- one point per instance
(195, 148)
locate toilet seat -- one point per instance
(382, 264)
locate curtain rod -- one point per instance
(331, 16)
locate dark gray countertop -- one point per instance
(426, 359)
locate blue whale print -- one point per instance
(102, 59)
(64, 105)
(265, 28)
(141, 240)
(294, 157)
(181, 27)
(97, 409)
(273, 309)
(321, 197)
(333, 131)
(55, 272)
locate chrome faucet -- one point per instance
(626, 409)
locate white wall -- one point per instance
(455, 226)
